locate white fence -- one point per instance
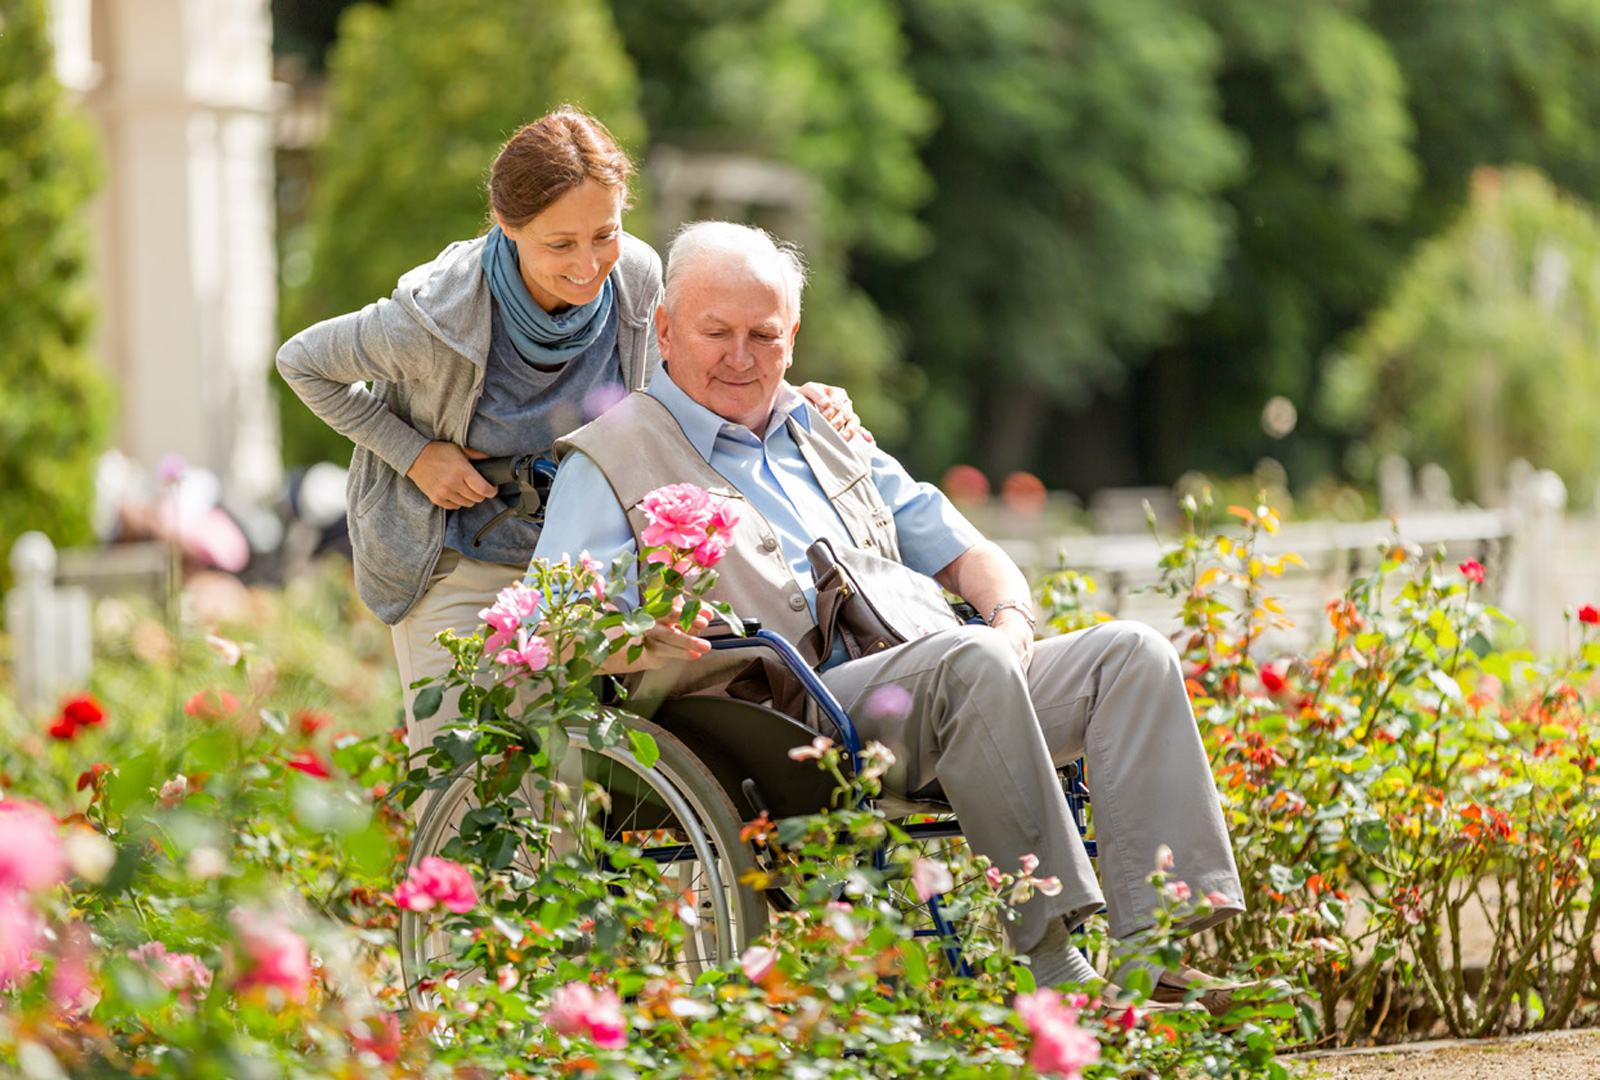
(1541, 562)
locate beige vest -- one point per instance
(639, 446)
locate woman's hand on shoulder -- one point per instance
(446, 475)
(834, 405)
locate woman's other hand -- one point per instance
(834, 405)
(445, 473)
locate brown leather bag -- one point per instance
(873, 603)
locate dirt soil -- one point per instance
(1560, 1055)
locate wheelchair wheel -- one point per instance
(673, 811)
(964, 939)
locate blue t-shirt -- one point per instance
(524, 409)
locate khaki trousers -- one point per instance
(460, 588)
(993, 735)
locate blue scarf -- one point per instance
(539, 337)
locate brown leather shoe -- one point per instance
(1187, 984)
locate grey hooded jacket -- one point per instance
(424, 351)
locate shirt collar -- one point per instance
(702, 426)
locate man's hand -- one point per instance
(664, 643)
(445, 473)
(834, 405)
(1018, 633)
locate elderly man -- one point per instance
(993, 713)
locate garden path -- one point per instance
(1557, 1055)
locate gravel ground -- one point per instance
(1561, 1055)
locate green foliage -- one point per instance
(422, 95)
(1384, 788)
(55, 411)
(1489, 347)
(1077, 166)
(822, 86)
(1364, 125)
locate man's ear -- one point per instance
(794, 332)
(663, 325)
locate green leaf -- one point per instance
(1371, 836)
(605, 731)
(644, 748)
(637, 622)
(427, 702)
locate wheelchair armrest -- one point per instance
(814, 687)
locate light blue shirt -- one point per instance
(583, 514)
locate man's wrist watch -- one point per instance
(1023, 608)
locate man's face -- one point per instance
(730, 341)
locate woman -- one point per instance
(497, 347)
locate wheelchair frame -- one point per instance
(712, 815)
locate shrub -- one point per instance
(55, 412)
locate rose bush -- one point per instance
(1413, 775)
(205, 879)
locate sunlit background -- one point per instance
(1073, 256)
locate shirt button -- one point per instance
(797, 601)
(769, 543)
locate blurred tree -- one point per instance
(421, 96)
(1077, 164)
(56, 409)
(820, 85)
(1320, 214)
(1364, 124)
(1489, 347)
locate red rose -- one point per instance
(309, 763)
(78, 711)
(211, 704)
(1472, 569)
(1272, 679)
(83, 711)
(311, 721)
(1588, 613)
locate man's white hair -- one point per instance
(711, 239)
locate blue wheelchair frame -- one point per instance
(1077, 793)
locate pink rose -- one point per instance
(994, 877)
(174, 791)
(437, 881)
(891, 701)
(1180, 891)
(931, 878)
(183, 972)
(679, 515)
(819, 746)
(30, 847)
(19, 934)
(506, 978)
(1030, 863)
(274, 954)
(758, 962)
(531, 651)
(575, 1009)
(724, 515)
(709, 551)
(1060, 1046)
(1163, 858)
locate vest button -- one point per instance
(797, 601)
(769, 543)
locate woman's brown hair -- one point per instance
(548, 158)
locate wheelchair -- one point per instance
(723, 762)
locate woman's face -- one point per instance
(567, 249)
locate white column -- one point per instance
(184, 241)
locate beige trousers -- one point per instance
(460, 588)
(993, 735)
